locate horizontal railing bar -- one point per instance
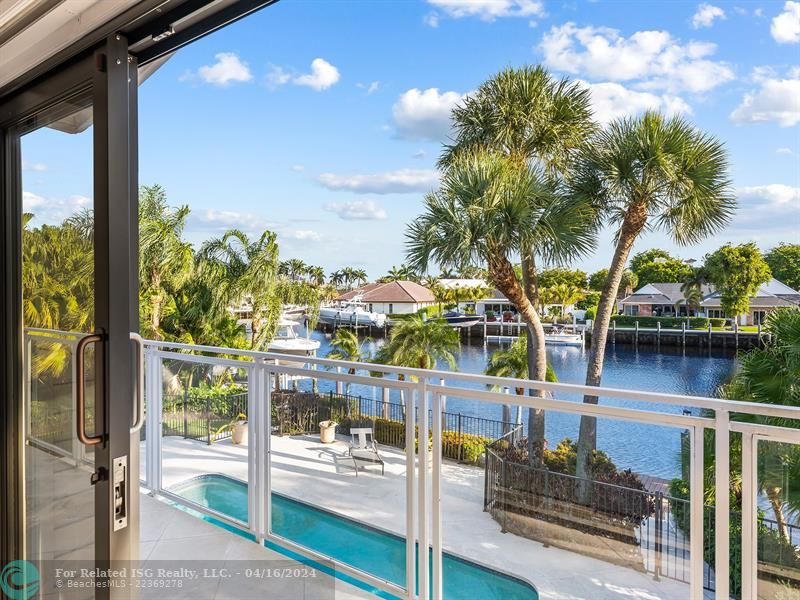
(598, 410)
(207, 360)
(363, 576)
(768, 432)
(789, 412)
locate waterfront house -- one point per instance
(770, 296)
(659, 300)
(392, 298)
(497, 304)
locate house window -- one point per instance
(631, 310)
(715, 313)
(370, 307)
(759, 317)
(391, 309)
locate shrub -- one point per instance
(590, 313)
(666, 322)
(472, 446)
(717, 322)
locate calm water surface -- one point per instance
(644, 448)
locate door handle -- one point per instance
(138, 420)
(80, 391)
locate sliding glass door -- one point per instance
(71, 401)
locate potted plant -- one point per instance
(238, 427)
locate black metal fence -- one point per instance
(201, 418)
(660, 522)
(464, 437)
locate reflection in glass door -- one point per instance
(58, 317)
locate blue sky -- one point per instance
(323, 120)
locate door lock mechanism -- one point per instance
(119, 482)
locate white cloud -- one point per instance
(775, 195)
(322, 76)
(369, 88)
(613, 100)
(402, 181)
(419, 154)
(431, 19)
(783, 151)
(277, 77)
(651, 59)
(228, 68)
(425, 114)
(772, 209)
(305, 235)
(776, 100)
(705, 15)
(36, 167)
(53, 210)
(357, 210)
(489, 10)
(786, 26)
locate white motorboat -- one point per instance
(350, 313)
(286, 341)
(559, 337)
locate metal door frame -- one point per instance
(107, 78)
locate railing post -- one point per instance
(696, 513)
(749, 517)
(460, 441)
(422, 490)
(185, 416)
(659, 518)
(436, 498)
(208, 419)
(722, 501)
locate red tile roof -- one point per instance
(392, 291)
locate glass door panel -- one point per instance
(58, 312)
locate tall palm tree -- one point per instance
(421, 344)
(692, 297)
(360, 276)
(294, 268)
(532, 118)
(648, 172)
(240, 267)
(488, 210)
(165, 258)
(513, 362)
(336, 278)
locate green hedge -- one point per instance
(666, 322)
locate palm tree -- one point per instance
(628, 283)
(294, 268)
(421, 344)
(692, 297)
(316, 275)
(771, 375)
(360, 276)
(532, 118)
(336, 278)
(346, 346)
(513, 362)
(648, 172)
(239, 267)
(566, 295)
(488, 210)
(165, 259)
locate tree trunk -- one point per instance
(632, 225)
(502, 274)
(773, 494)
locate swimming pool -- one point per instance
(372, 550)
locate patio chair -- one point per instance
(363, 448)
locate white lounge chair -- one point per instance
(363, 448)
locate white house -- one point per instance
(392, 298)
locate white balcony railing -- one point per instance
(424, 393)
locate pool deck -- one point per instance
(323, 475)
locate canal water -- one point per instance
(648, 449)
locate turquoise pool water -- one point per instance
(372, 550)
